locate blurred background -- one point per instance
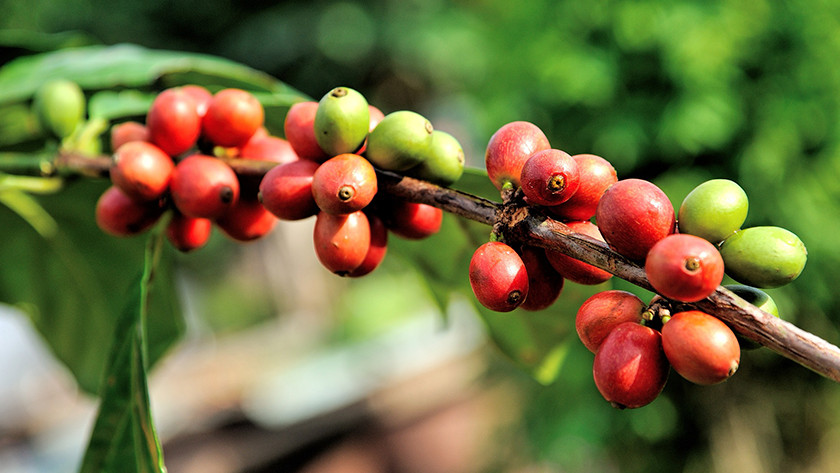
(284, 367)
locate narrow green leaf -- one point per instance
(30, 210)
(124, 438)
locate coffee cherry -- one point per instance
(574, 269)
(119, 215)
(60, 106)
(344, 184)
(200, 94)
(268, 148)
(444, 162)
(203, 186)
(498, 277)
(758, 298)
(630, 369)
(342, 121)
(701, 348)
(126, 132)
(400, 141)
(376, 116)
(341, 241)
(596, 174)
(232, 117)
(173, 121)
(142, 170)
(713, 210)
(509, 148)
(549, 177)
(378, 247)
(299, 129)
(602, 312)
(246, 220)
(764, 257)
(286, 190)
(544, 283)
(683, 267)
(410, 220)
(633, 214)
(187, 233)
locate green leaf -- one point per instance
(72, 283)
(124, 438)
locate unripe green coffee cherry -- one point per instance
(758, 298)
(400, 141)
(60, 106)
(764, 256)
(341, 121)
(713, 210)
(444, 162)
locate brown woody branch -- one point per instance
(527, 224)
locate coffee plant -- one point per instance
(174, 146)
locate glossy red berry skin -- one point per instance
(118, 214)
(549, 177)
(200, 94)
(300, 131)
(684, 267)
(544, 282)
(187, 233)
(498, 277)
(203, 187)
(232, 117)
(268, 148)
(142, 170)
(701, 348)
(602, 312)
(576, 270)
(630, 368)
(344, 184)
(411, 220)
(596, 174)
(173, 121)
(378, 247)
(508, 149)
(286, 190)
(246, 221)
(634, 214)
(341, 241)
(125, 132)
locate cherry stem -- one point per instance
(515, 221)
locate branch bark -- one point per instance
(527, 224)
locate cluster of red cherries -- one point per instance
(635, 344)
(178, 163)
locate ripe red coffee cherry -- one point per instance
(604, 311)
(544, 283)
(173, 121)
(549, 177)
(232, 117)
(684, 267)
(378, 247)
(119, 215)
(268, 148)
(576, 270)
(341, 241)
(498, 277)
(299, 129)
(410, 220)
(344, 184)
(200, 94)
(187, 233)
(125, 132)
(630, 369)
(509, 148)
(246, 221)
(633, 214)
(701, 348)
(286, 190)
(203, 186)
(142, 170)
(596, 174)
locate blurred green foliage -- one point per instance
(676, 92)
